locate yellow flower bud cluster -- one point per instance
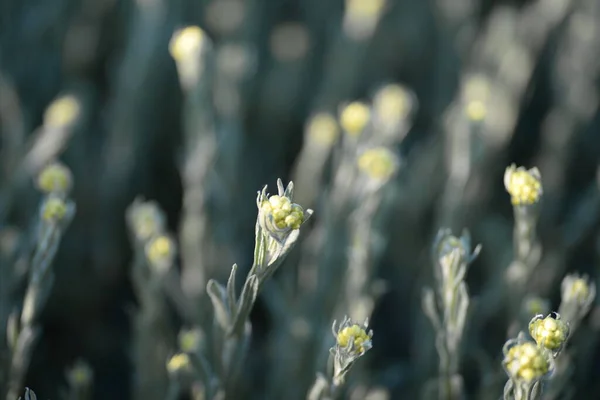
(378, 163)
(526, 362)
(54, 178)
(524, 186)
(356, 335)
(352, 341)
(284, 213)
(550, 332)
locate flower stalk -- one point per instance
(447, 306)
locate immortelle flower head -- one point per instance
(524, 186)
(549, 332)
(278, 215)
(352, 341)
(525, 362)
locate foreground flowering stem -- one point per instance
(154, 256)
(447, 306)
(577, 297)
(525, 189)
(352, 341)
(277, 229)
(527, 365)
(55, 214)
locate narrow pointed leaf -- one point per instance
(218, 297)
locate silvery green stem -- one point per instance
(447, 306)
(522, 390)
(200, 145)
(41, 279)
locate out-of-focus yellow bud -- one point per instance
(179, 363)
(160, 252)
(378, 163)
(55, 178)
(355, 117)
(323, 129)
(476, 110)
(54, 209)
(476, 94)
(62, 112)
(392, 104)
(189, 340)
(145, 219)
(534, 305)
(365, 8)
(80, 375)
(186, 43)
(577, 289)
